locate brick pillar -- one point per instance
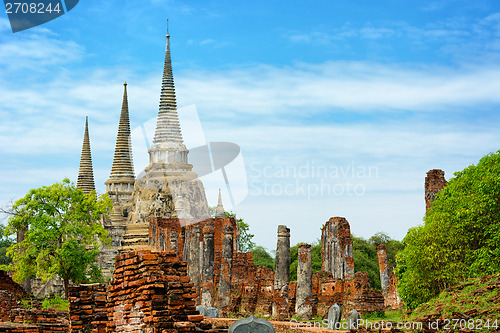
(207, 273)
(174, 241)
(336, 253)
(226, 269)
(194, 256)
(383, 265)
(434, 182)
(282, 274)
(303, 302)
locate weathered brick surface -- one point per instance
(336, 251)
(87, 307)
(434, 182)
(352, 293)
(151, 293)
(12, 312)
(6, 283)
(391, 297)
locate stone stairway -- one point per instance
(136, 237)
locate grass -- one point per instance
(56, 303)
(476, 300)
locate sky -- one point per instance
(339, 108)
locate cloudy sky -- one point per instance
(339, 107)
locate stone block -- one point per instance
(334, 315)
(353, 318)
(251, 325)
(212, 313)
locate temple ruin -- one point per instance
(168, 255)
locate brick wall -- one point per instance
(87, 306)
(150, 293)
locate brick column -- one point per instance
(336, 253)
(226, 269)
(282, 274)
(434, 182)
(207, 273)
(194, 256)
(303, 303)
(383, 265)
(174, 240)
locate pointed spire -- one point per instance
(86, 174)
(219, 211)
(123, 164)
(168, 151)
(168, 128)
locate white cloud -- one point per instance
(354, 86)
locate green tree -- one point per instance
(63, 234)
(460, 236)
(5, 242)
(366, 260)
(245, 243)
(262, 258)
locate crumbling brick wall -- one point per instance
(6, 283)
(352, 293)
(87, 306)
(151, 292)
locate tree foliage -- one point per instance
(5, 242)
(245, 243)
(63, 233)
(460, 236)
(262, 258)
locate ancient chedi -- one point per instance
(119, 188)
(165, 208)
(86, 173)
(168, 187)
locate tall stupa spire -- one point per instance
(122, 176)
(86, 173)
(168, 128)
(168, 148)
(123, 166)
(219, 211)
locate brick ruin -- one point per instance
(167, 255)
(388, 280)
(21, 312)
(434, 182)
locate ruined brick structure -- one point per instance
(383, 264)
(165, 209)
(434, 182)
(303, 302)
(88, 307)
(336, 252)
(387, 279)
(282, 274)
(14, 316)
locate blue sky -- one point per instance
(389, 89)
